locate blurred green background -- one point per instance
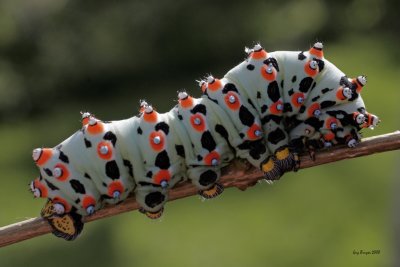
(58, 57)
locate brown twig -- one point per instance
(237, 174)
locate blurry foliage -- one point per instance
(73, 50)
(58, 57)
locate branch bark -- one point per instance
(237, 174)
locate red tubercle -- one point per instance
(88, 201)
(212, 158)
(162, 175)
(45, 155)
(115, 186)
(312, 109)
(215, 85)
(64, 172)
(157, 140)
(277, 107)
(198, 122)
(311, 68)
(96, 127)
(186, 102)
(105, 150)
(316, 52)
(150, 117)
(331, 123)
(268, 75)
(298, 99)
(329, 136)
(232, 101)
(63, 202)
(41, 187)
(254, 132)
(258, 55)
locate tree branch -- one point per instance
(237, 174)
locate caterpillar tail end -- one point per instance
(152, 215)
(212, 192)
(67, 226)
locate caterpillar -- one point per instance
(266, 110)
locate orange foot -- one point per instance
(212, 192)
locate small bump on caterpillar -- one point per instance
(266, 110)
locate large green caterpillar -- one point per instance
(266, 110)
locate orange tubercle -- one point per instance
(232, 101)
(64, 174)
(63, 202)
(88, 201)
(198, 123)
(41, 187)
(261, 54)
(45, 155)
(162, 175)
(115, 186)
(298, 99)
(157, 140)
(316, 52)
(331, 122)
(186, 102)
(311, 68)
(311, 110)
(95, 128)
(215, 85)
(254, 132)
(269, 76)
(276, 108)
(105, 150)
(339, 94)
(150, 117)
(212, 158)
(329, 136)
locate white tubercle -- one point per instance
(148, 109)
(58, 208)
(313, 64)
(210, 79)
(360, 118)
(103, 150)
(157, 140)
(86, 115)
(36, 153)
(182, 95)
(197, 121)
(352, 143)
(90, 210)
(92, 121)
(347, 92)
(57, 172)
(318, 45)
(257, 47)
(362, 80)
